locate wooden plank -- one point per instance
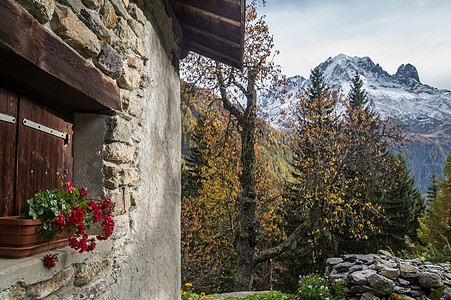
(222, 10)
(40, 155)
(216, 55)
(8, 105)
(215, 26)
(40, 60)
(208, 36)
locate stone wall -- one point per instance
(382, 276)
(130, 156)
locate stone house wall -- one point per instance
(130, 156)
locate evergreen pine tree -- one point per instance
(402, 204)
(357, 96)
(192, 171)
(432, 191)
(316, 132)
(319, 88)
(319, 92)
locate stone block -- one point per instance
(381, 283)
(349, 257)
(334, 261)
(135, 199)
(109, 61)
(361, 277)
(126, 36)
(88, 271)
(430, 280)
(384, 252)
(133, 105)
(117, 152)
(75, 5)
(391, 273)
(400, 297)
(93, 23)
(369, 296)
(129, 79)
(136, 13)
(45, 288)
(66, 24)
(122, 200)
(111, 180)
(119, 7)
(95, 290)
(130, 177)
(42, 10)
(140, 49)
(380, 264)
(355, 268)
(137, 27)
(344, 266)
(93, 4)
(118, 130)
(409, 271)
(17, 292)
(135, 63)
(361, 289)
(108, 15)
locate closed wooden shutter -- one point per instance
(38, 155)
(8, 133)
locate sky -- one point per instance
(390, 32)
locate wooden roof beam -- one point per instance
(215, 16)
(216, 55)
(215, 37)
(225, 9)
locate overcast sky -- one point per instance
(390, 32)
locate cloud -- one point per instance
(390, 32)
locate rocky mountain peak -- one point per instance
(407, 72)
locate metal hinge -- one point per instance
(7, 118)
(45, 129)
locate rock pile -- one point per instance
(383, 276)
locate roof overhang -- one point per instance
(213, 28)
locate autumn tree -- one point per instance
(337, 161)
(209, 204)
(435, 225)
(238, 92)
(324, 147)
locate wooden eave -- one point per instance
(213, 28)
(33, 61)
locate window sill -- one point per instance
(32, 270)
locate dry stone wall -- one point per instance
(383, 276)
(130, 156)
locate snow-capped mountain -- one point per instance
(420, 108)
(424, 111)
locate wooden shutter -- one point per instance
(30, 158)
(40, 155)
(8, 134)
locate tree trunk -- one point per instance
(247, 235)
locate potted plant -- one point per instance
(56, 218)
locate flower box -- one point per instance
(19, 238)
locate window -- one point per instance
(33, 148)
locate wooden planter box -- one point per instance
(19, 238)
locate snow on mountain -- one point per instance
(420, 108)
(424, 111)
